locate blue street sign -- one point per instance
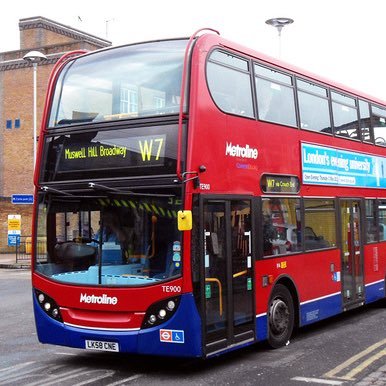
(13, 240)
(23, 199)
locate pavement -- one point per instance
(377, 378)
(8, 260)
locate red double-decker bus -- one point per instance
(194, 197)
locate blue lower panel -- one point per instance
(179, 336)
(321, 308)
(261, 327)
(375, 291)
(310, 312)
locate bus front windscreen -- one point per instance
(121, 240)
(125, 82)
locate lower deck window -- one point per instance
(382, 220)
(281, 226)
(320, 224)
(287, 228)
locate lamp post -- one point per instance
(34, 57)
(279, 23)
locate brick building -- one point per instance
(16, 108)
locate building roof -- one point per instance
(61, 29)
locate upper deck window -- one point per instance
(120, 83)
(364, 122)
(345, 113)
(378, 120)
(275, 96)
(229, 83)
(313, 107)
(272, 74)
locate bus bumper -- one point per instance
(180, 336)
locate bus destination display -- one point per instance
(146, 149)
(111, 152)
(275, 183)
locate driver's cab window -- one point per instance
(122, 241)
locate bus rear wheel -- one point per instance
(281, 317)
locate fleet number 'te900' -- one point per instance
(171, 288)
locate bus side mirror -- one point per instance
(185, 222)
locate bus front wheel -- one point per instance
(281, 316)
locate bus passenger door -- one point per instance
(352, 253)
(227, 279)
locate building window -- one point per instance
(17, 123)
(159, 103)
(8, 124)
(129, 100)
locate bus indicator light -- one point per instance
(267, 280)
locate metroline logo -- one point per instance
(104, 299)
(241, 151)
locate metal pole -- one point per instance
(34, 57)
(35, 65)
(279, 33)
(279, 23)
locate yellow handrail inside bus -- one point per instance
(240, 273)
(153, 243)
(214, 280)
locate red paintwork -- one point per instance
(130, 308)
(279, 153)
(102, 319)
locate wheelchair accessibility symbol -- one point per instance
(172, 336)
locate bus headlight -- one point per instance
(160, 312)
(171, 305)
(48, 305)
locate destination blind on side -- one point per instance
(112, 153)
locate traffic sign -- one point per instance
(23, 199)
(13, 240)
(14, 229)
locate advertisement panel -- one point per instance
(322, 165)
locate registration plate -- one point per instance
(101, 345)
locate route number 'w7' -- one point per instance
(146, 147)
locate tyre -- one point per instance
(281, 316)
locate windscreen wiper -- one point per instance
(77, 120)
(95, 186)
(48, 189)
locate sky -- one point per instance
(341, 40)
